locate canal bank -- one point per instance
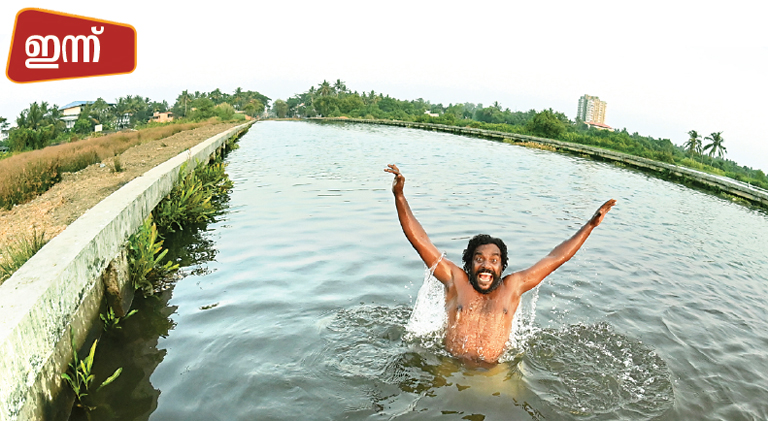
(687, 176)
(62, 288)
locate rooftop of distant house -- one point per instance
(76, 104)
(79, 104)
(599, 125)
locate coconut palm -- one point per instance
(325, 89)
(716, 145)
(184, 98)
(340, 87)
(693, 145)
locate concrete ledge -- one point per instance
(60, 287)
(753, 194)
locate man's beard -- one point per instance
(495, 284)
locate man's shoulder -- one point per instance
(514, 277)
(513, 280)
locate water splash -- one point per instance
(523, 327)
(429, 319)
(590, 370)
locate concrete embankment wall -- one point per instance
(61, 288)
(752, 194)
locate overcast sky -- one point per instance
(664, 68)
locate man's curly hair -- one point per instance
(479, 240)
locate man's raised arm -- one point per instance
(415, 232)
(562, 253)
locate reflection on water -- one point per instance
(134, 345)
(299, 302)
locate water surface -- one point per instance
(296, 302)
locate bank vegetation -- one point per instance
(336, 100)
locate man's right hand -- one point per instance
(399, 182)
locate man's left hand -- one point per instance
(597, 218)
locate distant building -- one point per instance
(71, 111)
(431, 114)
(600, 126)
(158, 117)
(591, 110)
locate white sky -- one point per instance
(664, 68)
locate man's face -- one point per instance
(486, 268)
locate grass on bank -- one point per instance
(16, 254)
(26, 175)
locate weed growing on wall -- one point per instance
(145, 251)
(15, 255)
(111, 321)
(215, 180)
(186, 203)
(79, 376)
(195, 198)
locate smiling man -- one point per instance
(480, 303)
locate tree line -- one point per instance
(336, 100)
(41, 124)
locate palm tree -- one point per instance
(325, 89)
(217, 96)
(32, 117)
(340, 87)
(693, 145)
(716, 145)
(372, 97)
(123, 108)
(184, 98)
(238, 98)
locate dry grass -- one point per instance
(537, 145)
(26, 175)
(14, 256)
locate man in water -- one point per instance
(480, 303)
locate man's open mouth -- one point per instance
(485, 277)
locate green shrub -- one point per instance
(214, 180)
(111, 321)
(79, 376)
(188, 202)
(145, 252)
